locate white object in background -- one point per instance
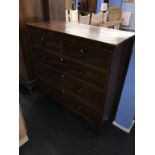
(105, 16)
(74, 16)
(122, 127)
(97, 19)
(104, 7)
(67, 16)
(100, 18)
(126, 16)
(117, 27)
(93, 19)
(84, 19)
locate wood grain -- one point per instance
(68, 5)
(107, 36)
(57, 9)
(90, 84)
(29, 11)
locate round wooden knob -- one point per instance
(62, 91)
(62, 76)
(61, 59)
(42, 38)
(79, 73)
(81, 50)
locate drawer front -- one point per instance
(67, 98)
(83, 73)
(89, 55)
(91, 96)
(69, 67)
(45, 39)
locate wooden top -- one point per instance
(106, 35)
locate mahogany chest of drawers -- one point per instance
(81, 66)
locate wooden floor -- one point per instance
(53, 130)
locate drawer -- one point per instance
(44, 56)
(71, 68)
(57, 79)
(83, 73)
(72, 102)
(76, 105)
(86, 54)
(45, 39)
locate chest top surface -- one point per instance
(106, 35)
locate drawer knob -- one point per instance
(42, 38)
(81, 54)
(62, 76)
(62, 91)
(81, 50)
(42, 41)
(79, 73)
(61, 59)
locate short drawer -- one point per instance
(45, 39)
(87, 54)
(57, 79)
(44, 56)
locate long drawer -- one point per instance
(90, 96)
(71, 101)
(72, 68)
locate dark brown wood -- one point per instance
(84, 90)
(103, 37)
(88, 6)
(46, 10)
(117, 76)
(29, 11)
(74, 68)
(57, 9)
(82, 67)
(92, 5)
(127, 46)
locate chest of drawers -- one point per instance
(80, 66)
